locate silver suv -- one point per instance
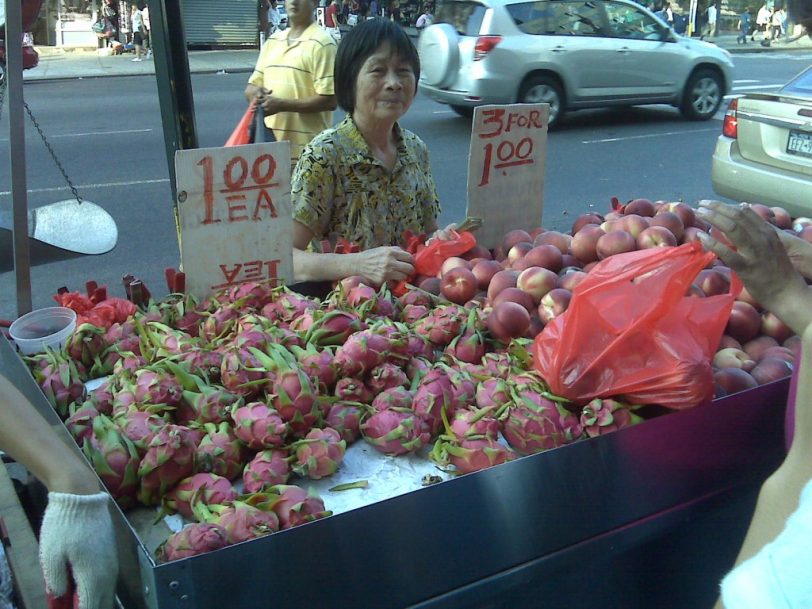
(571, 54)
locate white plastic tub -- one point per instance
(49, 327)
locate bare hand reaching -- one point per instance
(382, 264)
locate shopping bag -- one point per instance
(631, 331)
(429, 258)
(241, 133)
(259, 132)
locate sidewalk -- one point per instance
(60, 63)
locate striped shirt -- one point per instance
(301, 69)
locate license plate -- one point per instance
(800, 143)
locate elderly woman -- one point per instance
(367, 180)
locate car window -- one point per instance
(531, 17)
(576, 19)
(465, 17)
(627, 21)
(801, 85)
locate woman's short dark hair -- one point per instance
(359, 44)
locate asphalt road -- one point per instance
(107, 134)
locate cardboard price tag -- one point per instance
(506, 169)
(234, 215)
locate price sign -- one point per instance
(506, 169)
(234, 215)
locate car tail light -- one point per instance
(484, 44)
(730, 126)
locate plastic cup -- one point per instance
(49, 327)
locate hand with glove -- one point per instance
(77, 545)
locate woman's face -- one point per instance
(385, 87)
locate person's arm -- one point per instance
(773, 518)
(76, 537)
(314, 103)
(254, 92)
(761, 261)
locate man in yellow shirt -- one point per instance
(293, 79)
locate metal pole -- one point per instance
(16, 130)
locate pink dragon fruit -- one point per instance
(333, 328)
(220, 323)
(259, 426)
(295, 506)
(492, 393)
(160, 340)
(442, 326)
(295, 400)
(419, 347)
(417, 297)
(80, 422)
(240, 520)
(242, 372)
(353, 390)
(212, 405)
(191, 540)
(220, 452)
(205, 363)
(534, 424)
(345, 418)
(86, 344)
(115, 460)
(288, 306)
(251, 295)
(154, 386)
(475, 454)
(411, 313)
(319, 454)
(267, 468)
(168, 460)
(463, 387)
(140, 425)
(467, 423)
(317, 365)
(418, 367)
(468, 347)
(433, 397)
(386, 376)
(128, 363)
(497, 364)
(61, 381)
(396, 431)
(602, 416)
(102, 397)
(396, 397)
(361, 352)
(205, 487)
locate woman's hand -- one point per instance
(382, 264)
(443, 234)
(272, 105)
(798, 250)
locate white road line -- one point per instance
(648, 135)
(443, 112)
(80, 187)
(746, 80)
(91, 133)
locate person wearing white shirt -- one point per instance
(710, 26)
(424, 20)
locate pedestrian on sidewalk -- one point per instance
(762, 22)
(147, 29)
(293, 79)
(710, 26)
(331, 20)
(109, 11)
(137, 24)
(744, 27)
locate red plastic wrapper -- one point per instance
(631, 331)
(102, 315)
(241, 133)
(429, 258)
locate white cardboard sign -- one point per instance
(506, 169)
(234, 215)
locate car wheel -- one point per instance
(543, 90)
(465, 111)
(702, 95)
(438, 48)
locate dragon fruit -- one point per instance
(433, 397)
(251, 295)
(317, 365)
(463, 387)
(128, 362)
(155, 386)
(396, 397)
(288, 306)
(353, 390)
(492, 393)
(411, 313)
(386, 376)
(396, 431)
(319, 454)
(168, 460)
(160, 341)
(220, 452)
(418, 297)
(442, 326)
(61, 381)
(468, 347)
(361, 352)
(294, 398)
(139, 426)
(267, 468)
(102, 397)
(80, 422)
(418, 367)
(86, 344)
(241, 372)
(601, 416)
(115, 460)
(333, 328)
(496, 364)
(534, 424)
(475, 454)
(345, 418)
(295, 506)
(240, 520)
(206, 487)
(212, 405)
(191, 540)
(467, 423)
(218, 324)
(259, 426)
(202, 362)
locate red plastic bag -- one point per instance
(630, 331)
(429, 258)
(241, 133)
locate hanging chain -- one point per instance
(75, 192)
(53, 154)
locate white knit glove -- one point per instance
(77, 534)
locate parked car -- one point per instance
(30, 11)
(764, 154)
(571, 54)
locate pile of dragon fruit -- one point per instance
(259, 387)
